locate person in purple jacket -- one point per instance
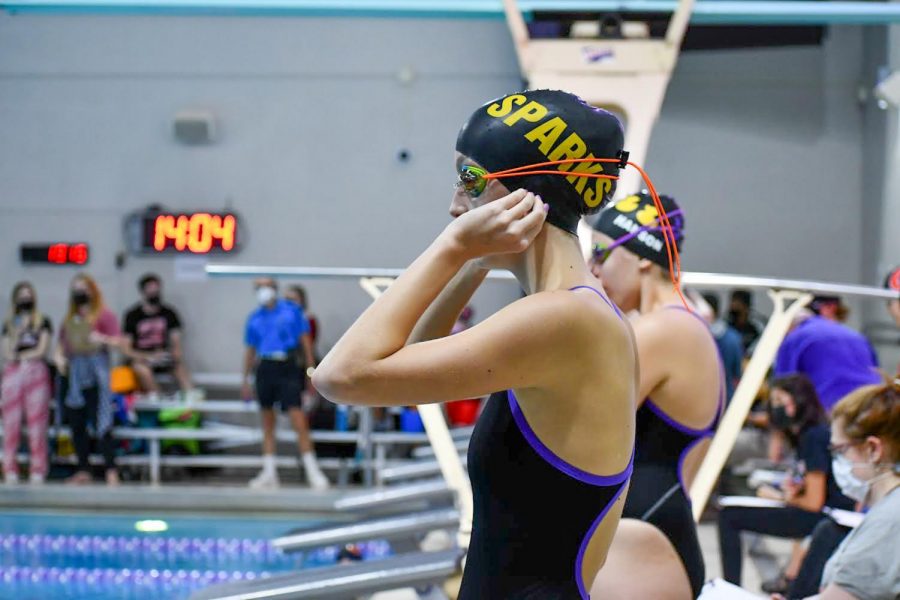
(836, 359)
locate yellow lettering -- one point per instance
(594, 197)
(547, 132)
(646, 215)
(628, 204)
(502, 109)
(571, 147)
(531, 112)
(585, 167)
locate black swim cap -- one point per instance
(635, 221)
(547, 125)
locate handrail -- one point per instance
(342, 581)
(697, 279)
(393, 495)
(388, 528)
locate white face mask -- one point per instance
(265, 294)
(852, 486)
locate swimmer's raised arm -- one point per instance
(440, 317)
(371, 364)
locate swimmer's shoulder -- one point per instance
(671, 326)
(583, 313)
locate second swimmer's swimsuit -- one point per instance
(657, 494)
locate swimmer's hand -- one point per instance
(505, 226)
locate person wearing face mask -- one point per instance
(743, 319)
(89, 330)
(274, 334)
(26, 383)
(795, 411)
(865, 444)
(153, 341)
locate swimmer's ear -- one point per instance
(645, 265)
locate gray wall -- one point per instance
(763, 147)
(312, 115)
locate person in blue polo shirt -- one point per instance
(276, 331)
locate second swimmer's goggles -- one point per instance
(473, 180)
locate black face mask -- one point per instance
(24, 306)
(780, 418)
(80, 298)
(154, 300)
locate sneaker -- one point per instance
(11, 478)
(317, 479)
(194, 396)
(36, 479)
(266, 480)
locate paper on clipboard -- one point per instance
(847, 518)
(750, 502)
(718, 589)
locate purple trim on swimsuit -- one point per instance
(579, 561)
(602, 297)
(681, 458)
(675, 424)
(556, 462)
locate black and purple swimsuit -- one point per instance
(534, 513)
(658, 494)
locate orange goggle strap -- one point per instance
(665, 226)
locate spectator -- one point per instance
(831, 308)
(740, 317)
(729, 342)
(152, 336)
(865, 443)
(297, 295)
(274, 333)
(26, 383)
(87, 333)
(836, 358)
(796, 412)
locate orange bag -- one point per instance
(122, 380)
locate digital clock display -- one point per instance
(59, 253)
(188, 233)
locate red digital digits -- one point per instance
(58, 254)
(197, 233)
(67, 254)
(78, 254)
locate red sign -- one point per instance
(60, 253)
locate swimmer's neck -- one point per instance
(657, 293)
(553, 262)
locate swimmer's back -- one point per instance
(547, 502)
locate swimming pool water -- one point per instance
(80, 556)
